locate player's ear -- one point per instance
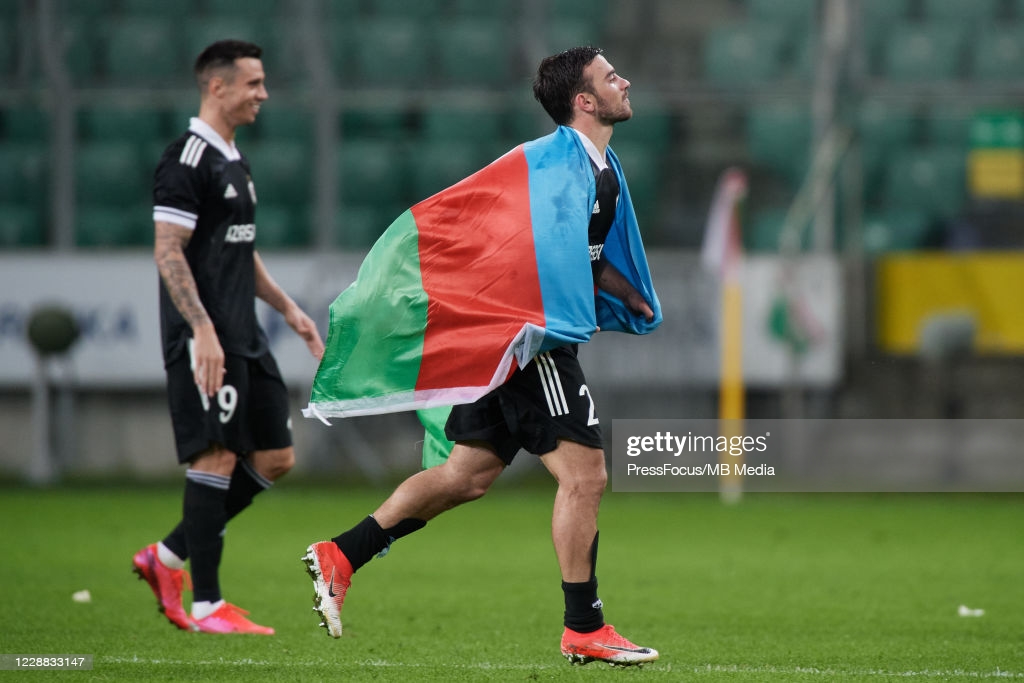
(583, 101)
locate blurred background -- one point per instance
(882, 142)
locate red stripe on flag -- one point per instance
(479, 271)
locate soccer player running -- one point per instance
(228, 403)
(580, 89)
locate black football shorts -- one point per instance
(541, 403)
(249, 413)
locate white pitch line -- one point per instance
(487, 666)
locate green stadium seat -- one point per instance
(24, 124)
(384, 122)
(281, 227)
(499, 10)
(111, 173)
(949, 125)
(110, 123)
(282, 121)
(928, 180)
(256, 9)
(442, 122)
(652, 124)
(373, 172)
(141, 51)
(437, 165)
(642, 165)
(923, 52)
(779, 138)
(895, 230)
(281, 172)
(974, 11)
(566, 33)
(392, 53)
(998, 54)
(744, 54)
(345, 11)
(762, 230)
(24, 175)
(201, 32)
(161, 9)
(418, 11)
(113, 226)
(527, 123)
(358, 226)
(885, 126)
(877, 15)
(78, 42)
(475, 53)
(798, 14)
(21, 226)
(8, 49)
(592, 13)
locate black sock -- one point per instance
(246, 484)
(583, 612)
(582, 606)
(203, 519)
(366, 539)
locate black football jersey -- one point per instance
(603, 214)
(203, 183)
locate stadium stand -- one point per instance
(779, 137)
(20, 226)
(926, 179)
(281, 171)
(390, 53)
(111, 174)
(373, 172)
(923, 52)
(475, 52)
(281, 227)
(108, 226)
(436, 165)
(745, 54)
(998, 54)
(141, 52)
(23, 173)
(974, 12)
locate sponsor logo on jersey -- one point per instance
(241, 233)
(231, 192)
(595, 251)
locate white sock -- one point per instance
(204, 608)
(168, 558)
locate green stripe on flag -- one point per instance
(375, 338)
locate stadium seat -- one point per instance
(159, 9)
(23, 173)
(975, 11)
(109, 123)
(592, 13)
(281, 121)
(779, 138)
(499, 10)
(744, 54)
(372, 172)
(8, 48)
(24, 124)
(895, 230)
(359, 226)
(653, 125)
(762, 231)
(566, 33)
(201, 32)
(442, 122)
(998, 54)
(384, 123)
(78, 42)
(949, 125)
(113, 226)
(928, 180)
(21, 226)
(391, 53)
(527, 123)
(885, 127)
(796, 14)
(418, 11)
(111, 173)
(437, 165)
(917, 52)
(642, 166)
(281, 172)
(260, 10)
(475, 53)
(281, 227)
(141, 51)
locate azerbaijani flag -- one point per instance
(491, 270)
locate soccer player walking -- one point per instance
(544, 407)
(228, 402)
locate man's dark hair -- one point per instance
(221, 55)
(560, 78)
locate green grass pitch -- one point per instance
(778, 588)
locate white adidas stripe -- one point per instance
(193, 151)
(552, 385)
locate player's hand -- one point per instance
(207, 359)
(306, 328)
(638, 305)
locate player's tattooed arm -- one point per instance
(169, 254)
(207, 355)
(609, 279)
